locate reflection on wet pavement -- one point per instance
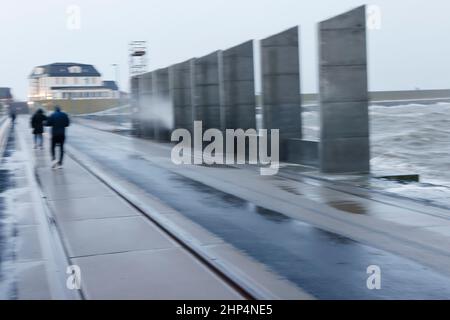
(327, 265)
(291, 190)
(348, 206)
(332, 198)
(8, 229)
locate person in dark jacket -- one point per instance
(58, 121)
(37, 123)
(12, 115)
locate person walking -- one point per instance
(37, 123)
(12, 115)
(58, 121)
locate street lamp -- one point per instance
(116, 67)
(116, 70)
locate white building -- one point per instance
(70, 81)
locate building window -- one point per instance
(38, 71)
(75, 69)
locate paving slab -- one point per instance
(25, 214)
(64, 178)
(29, 247)
(73, 191)
(105, 236)
(32, 281)
(150, 275)
(91, 208)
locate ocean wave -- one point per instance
(410, 138)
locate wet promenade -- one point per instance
(119, 201)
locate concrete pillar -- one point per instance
(182, 87)
(280, 65)
(238, 95)
(207, 91)
(344, 145)
(146, 105)
(163, 112)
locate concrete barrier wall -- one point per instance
(134, 90)
(280, 65)
(238, 88)
(302, 152)
(207, 90)
(162, 105)
(344, 143)
(219, 90)
(182, 87)
(146, 113)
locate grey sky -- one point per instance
(411, 50)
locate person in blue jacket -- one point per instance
(58, 121)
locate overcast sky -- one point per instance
(411, 50)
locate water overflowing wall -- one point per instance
(162, 105)
(145, 103)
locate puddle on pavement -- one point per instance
(292, 190)
(348, 206)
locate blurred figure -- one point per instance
(58, 121)
(37, 123)
(12, 115)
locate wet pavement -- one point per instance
(325, 264)
(7, 226)
(120, 253)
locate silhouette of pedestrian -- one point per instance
(37, 123)
(58, 121)
(12, 115)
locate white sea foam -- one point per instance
(411, 139)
